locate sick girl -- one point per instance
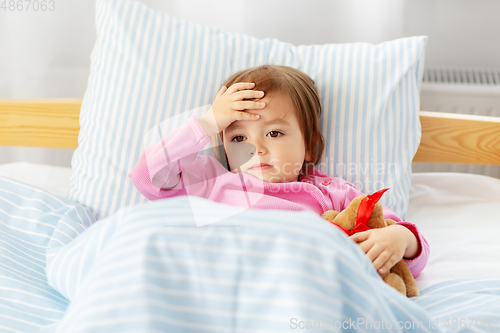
(268, 120)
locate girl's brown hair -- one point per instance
(299, 87)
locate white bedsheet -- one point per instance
(53, 179)
(457, 213)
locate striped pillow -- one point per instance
(147, 67)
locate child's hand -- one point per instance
(230, 105)
(385, 246)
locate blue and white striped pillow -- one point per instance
(147, 66)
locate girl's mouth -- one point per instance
(261, 166)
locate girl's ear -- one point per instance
(308, 156)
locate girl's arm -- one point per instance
(172, 167)
(401, 240)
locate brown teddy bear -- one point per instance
(364, 213)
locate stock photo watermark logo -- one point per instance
(28, 5)
(358, 324)
(165, 168)
(471, 323)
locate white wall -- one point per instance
(47, 54)
(461, 32)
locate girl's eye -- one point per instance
(275, 134)
(236, 137)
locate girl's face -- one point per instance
(270, 148)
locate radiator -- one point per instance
(461, 90)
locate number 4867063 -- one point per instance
(28, 5)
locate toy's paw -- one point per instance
(390, 222)
(329, 215)
(412, 290)
(402, 270)
(396, 282)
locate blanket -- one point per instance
(152, 268)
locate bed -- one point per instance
(81, 251)
(457, 213)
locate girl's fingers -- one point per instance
(248, 116)
(365, 246)
(240, 86)
(374, 253)
(388, 265)
(222, 90)
(360, 236)
(246, 94)
(381, 260)
(248, 105)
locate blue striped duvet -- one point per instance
(149, 268)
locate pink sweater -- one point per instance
(158, 175)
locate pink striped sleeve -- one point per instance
(158, 174)
(418, 263)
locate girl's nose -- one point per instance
(258, 147)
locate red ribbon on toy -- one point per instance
(364, 212)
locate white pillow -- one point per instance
(147, 66)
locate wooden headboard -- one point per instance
(446, 137)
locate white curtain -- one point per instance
(47, 54)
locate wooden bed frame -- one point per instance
(446, 137)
